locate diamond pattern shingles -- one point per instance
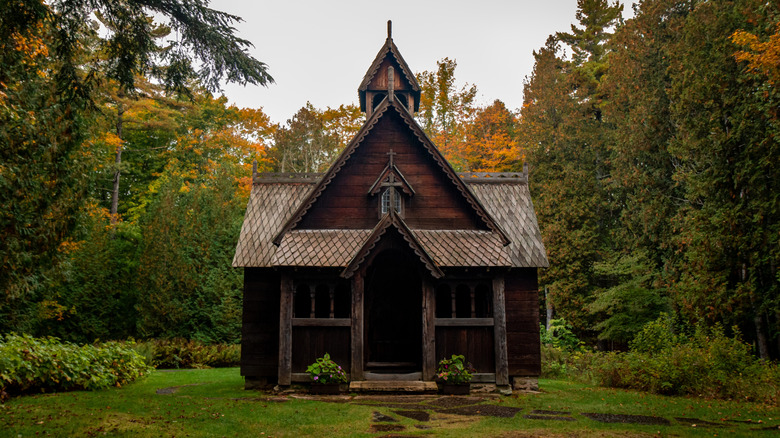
(463, 247)
(269, 207)
(510, 205)
(319, 247)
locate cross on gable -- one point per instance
(391, 154)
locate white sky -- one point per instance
(318, 51)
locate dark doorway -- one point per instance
(394, 314)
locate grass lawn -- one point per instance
(216, 405)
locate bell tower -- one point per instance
(389, 77)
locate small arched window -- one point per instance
(385, 201)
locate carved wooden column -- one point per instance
(285, 329)
(429, 331)
(499, 331)
(357, 327)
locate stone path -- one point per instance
(433, 411)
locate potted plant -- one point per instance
(326, 376)
(455, 375)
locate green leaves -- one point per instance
(324, 370)
(30, 364)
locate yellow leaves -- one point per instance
(763, 57)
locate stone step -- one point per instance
(393, 386)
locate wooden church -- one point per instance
(390, 260)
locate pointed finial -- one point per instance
(254, 169)
(390, 29)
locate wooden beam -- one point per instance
(499, 331)
(357, 326)
(429, 331)
(285, 329)
(465, 322)
(321, 322)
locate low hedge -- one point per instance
(30, 364)
(183, 353)
(704, 363)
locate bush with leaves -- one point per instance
(30, 364)
(455, 370)
(561, 350)
(182, 353)
(324, 371)
(706, 363)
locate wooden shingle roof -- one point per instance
(505, 197)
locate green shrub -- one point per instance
(560, 335)
(707, 363)
(182, 353)
(47, 364)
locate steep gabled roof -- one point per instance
(389, 49)
(391, 219)
(397, 175)
(275, 198)
(392, 104)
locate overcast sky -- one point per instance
(318, 51)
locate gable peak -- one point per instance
(389, 76)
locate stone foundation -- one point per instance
(525, 383)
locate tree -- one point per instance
(445, 110)
(726, 147)
(492, 141)
(313, 138)
(566, 138)
(47, 112)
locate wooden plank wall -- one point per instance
(345, 203)
(260, 329)
(309, 343)
(474, 343)
(522, 322)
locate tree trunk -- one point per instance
(117, 162)
(761, 336)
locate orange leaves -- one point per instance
(763, 57)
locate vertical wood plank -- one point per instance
(285, 329)
(357, 327)
(499, 327)
(429, 331)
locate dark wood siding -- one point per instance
(345, 203)
(309, 343)
(260, 330)
(522, 322)
(474, 343)
(379, 81)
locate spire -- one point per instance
(374, 87)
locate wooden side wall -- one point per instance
(260, 329)
(474, 343)
(345, 203)
(309, 343)
(522, 322)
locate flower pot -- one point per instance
(456, 389)
(324, 388)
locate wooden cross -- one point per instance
(391, 154)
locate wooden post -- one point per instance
(313, 296)
(473, 302)
(429, 331)
(357, 327)
(285, 330)
(452, 295)
(331, 293)
(499, 331)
